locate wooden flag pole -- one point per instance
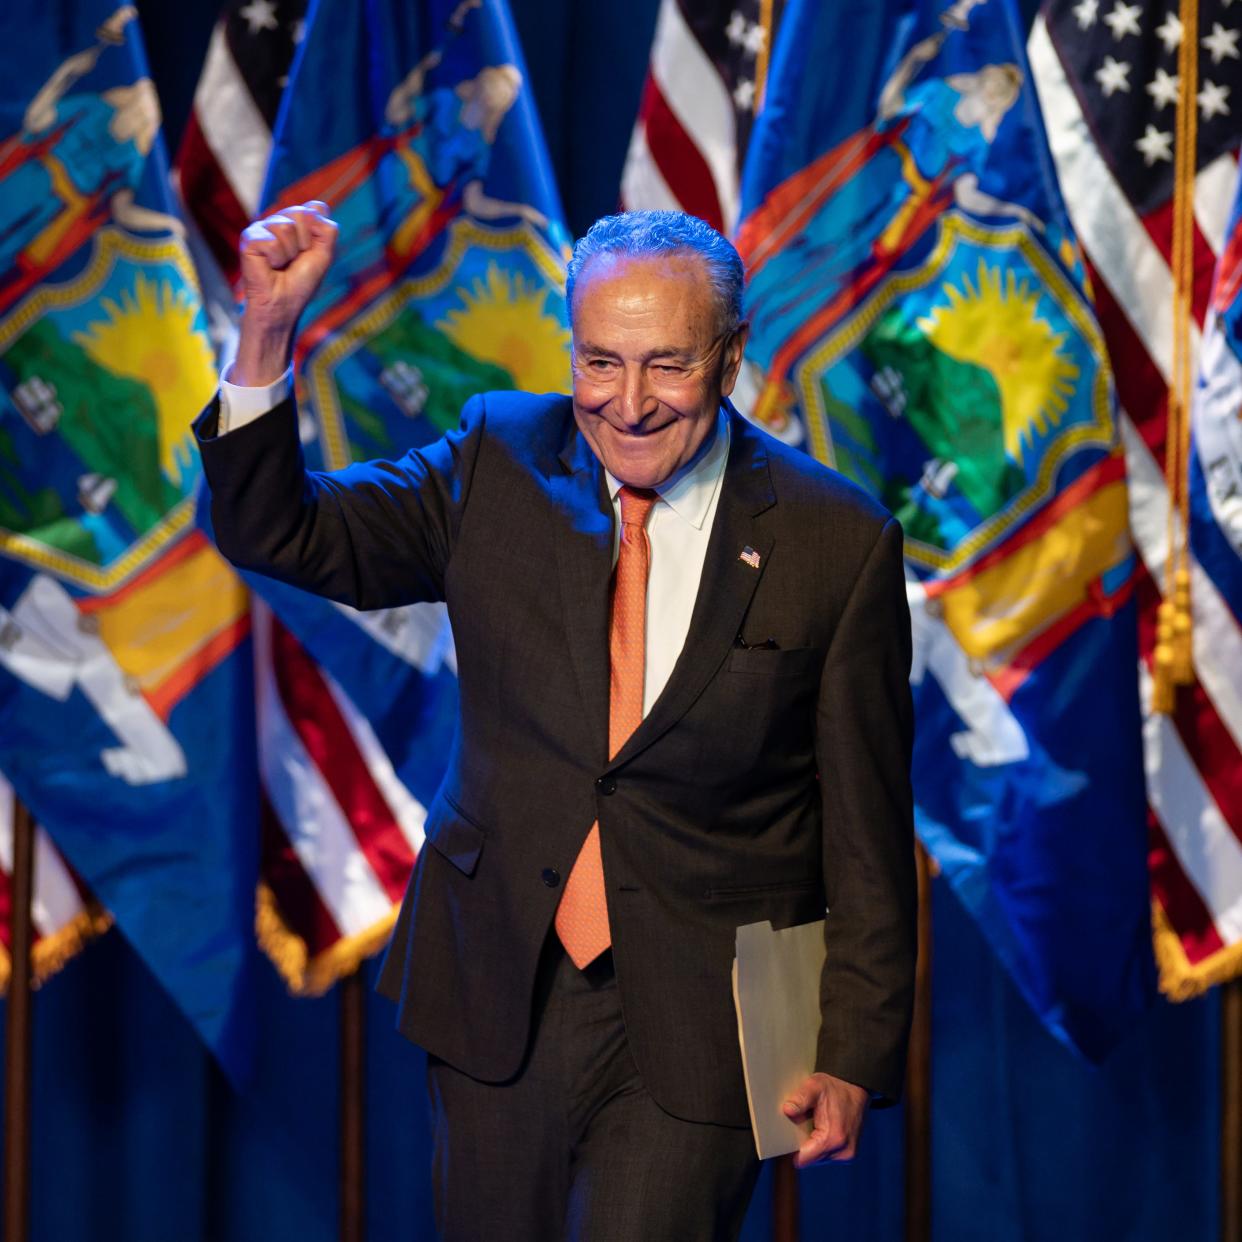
(1231, 1111)
(784, 1200)
(17, 1034)
(918, 1072)
(353, 1108)
(918, 1099)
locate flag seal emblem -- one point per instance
(437, 299)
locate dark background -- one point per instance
(137, 1138)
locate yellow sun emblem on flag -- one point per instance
(996, 325)
(149, 335)
(505, 319)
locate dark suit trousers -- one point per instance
(574, 1147)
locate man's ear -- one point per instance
(731, 361)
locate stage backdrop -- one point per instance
(137, 1137)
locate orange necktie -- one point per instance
(582, 916)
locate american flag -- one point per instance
(228, 138)
(1107, 75)
(340, 830)
(64, 915)
(704, 87)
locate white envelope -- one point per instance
(776, 993)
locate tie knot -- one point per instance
(636, 505)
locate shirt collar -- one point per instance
(689, 494)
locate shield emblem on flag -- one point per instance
(105, 371)
(427, 300)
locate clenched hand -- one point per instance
(283, 259)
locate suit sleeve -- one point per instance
(377, 534)
(864, 739)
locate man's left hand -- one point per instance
(837, 1109)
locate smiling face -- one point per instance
(650, 363)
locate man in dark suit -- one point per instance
(683, 652)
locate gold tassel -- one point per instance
(1163, 685)
(1183, 646)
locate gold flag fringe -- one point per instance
(52, 952)
(1179, 980)
(304, 975)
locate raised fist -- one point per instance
(283, 258)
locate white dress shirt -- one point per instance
(678, 529)
(239, 405)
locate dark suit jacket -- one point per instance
(763, 784)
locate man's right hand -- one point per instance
(283, 258)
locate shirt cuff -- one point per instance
(240, 405)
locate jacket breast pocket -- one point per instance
(775, 661)
(454, 835)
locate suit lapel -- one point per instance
(583, 543)
(725, 587)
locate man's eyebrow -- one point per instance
(669, 351)
(660, 351)
(586, 347)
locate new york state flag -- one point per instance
(920, 318)
(126, 716)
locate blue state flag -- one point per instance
(920, 319)
(448, 280)
(126, 712)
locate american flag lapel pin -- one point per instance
(750, 556)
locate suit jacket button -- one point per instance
(607, 785)
(550, 876)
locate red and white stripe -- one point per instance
(60, 909)
(223, 155)
(343, 832)
(1194, 757)
(683, 152)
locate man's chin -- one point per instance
(638, 474)
(636, 461)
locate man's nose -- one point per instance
(635, 400)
